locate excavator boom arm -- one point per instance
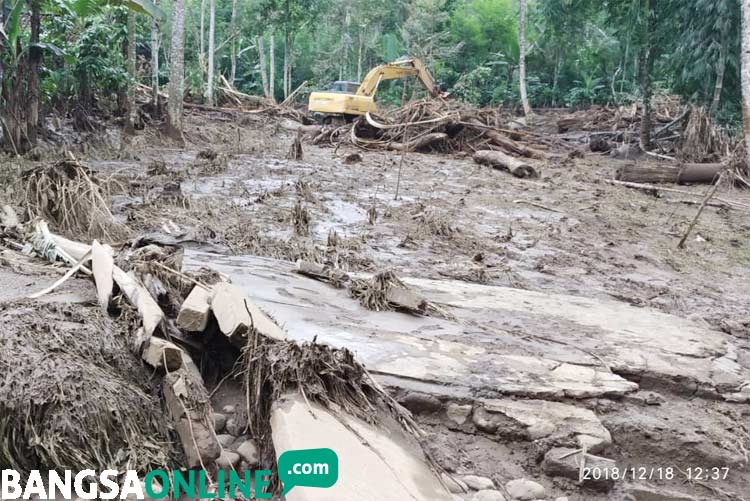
(399, 69)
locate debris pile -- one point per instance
(73, 198)
(174, 317)
(440, 126)
(74, 398)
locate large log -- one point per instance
(513, 147)
(674, 174)
(419, 142)
(500, 160)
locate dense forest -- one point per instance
(79, 56)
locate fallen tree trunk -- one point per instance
(419, 142)
(508, 144)
(674, 174)
(514, 147)
(500, 160)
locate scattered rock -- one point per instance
(478, 483)
(562, 424)
(565, 462)
(220, 420)
(235, 426)
(454, 485)
(249, 452)
(524, 490)
(458, 414)
(563, 498)
(225, 440)
(228, 409)
(645, 398)
(488, 495)
(352, 158)
(421, 403)
(227, 460)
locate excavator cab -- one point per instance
(348, 100)
(344, 87)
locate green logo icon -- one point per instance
(308, 468)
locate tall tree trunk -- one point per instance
(645, 64)
(155, 64)
(202, 55)
(176, 72)
(35, 58)
(746, 74)
(359, 58)
(522, 58)
(211, 47)
(272, 67)
(286, 48)
(122, 90)
(556, 76)
(287, 72)
(263, 74)
(721, 66)
(130, 121)
(233, 44)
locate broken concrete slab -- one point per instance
(364, 451)
(149, 310)
(406, 299)
(195, 310)
(591, 345)
(237, 314)
(162, 354)
(102, 266)
(558, 423)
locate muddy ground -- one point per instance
(568, 232)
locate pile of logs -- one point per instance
(439, 126)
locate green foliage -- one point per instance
(580, 52)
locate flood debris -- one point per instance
(384, 291)
(72, 197)
(329, 377)
(209, 162)
(500, 160)
(300, 219)
(104, 418)
(295, 149)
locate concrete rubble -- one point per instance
(550, 399)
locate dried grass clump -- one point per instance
(703, 140)
(70, 195)
(295, 149)
(300, 219)
(304, 191)
(327, 376)
(431, 223)
(373, 293)
(209, 162)
(247, 240)
(739, 165)
(72, 396)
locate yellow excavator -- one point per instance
(351, 99)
